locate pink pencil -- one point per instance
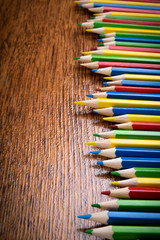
(116, 9)
(134, 49)
(131, 22)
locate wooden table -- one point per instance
(47, 175)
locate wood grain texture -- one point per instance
(47, 175)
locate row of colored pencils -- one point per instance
(128, 56)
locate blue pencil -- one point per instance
(113, 71)
(122, 218)
(126, 95)
(128, 152)
(116, 111)
(130, 162)
(132, 39)
(132, 83)
(94, 5)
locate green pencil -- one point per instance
(138, 172)
(126, 232)
(130, 18)
(105, 58)
(133, 134)
(97, 24)
(133, 35)
(130, 205)
(111, 41)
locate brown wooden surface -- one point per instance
(47, 175)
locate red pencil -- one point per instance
(130, 89)
(116, 9)
(95, 65)
(131, 22)
(147, 126)
(134, 193)
(134, 49)
(154, 1)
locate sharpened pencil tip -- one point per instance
(109, 119)
(101, 44)
(102, 35)
(115, 173)
(87, 216)
(87, 53)
(98, 89)
(106, 192)
(115, 183)
(94, 70)
(90, 143)
(76, 58)
(113, 126)
(94, 111)
(79, 24)
(105, 83)
(96, 205)
(92, 17)
(88, 30)
(100, 163)
(96, 135)
(96, 152)
(76, 1)
(89, 95)
(99, 40)
(89, 231)
(80, 103)
(79, 5)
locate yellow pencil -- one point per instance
(104, 30)
(138, 182)
(123, 53)
(130, 143)
(141, 77)
(120, 2)
(104, 103)
(133, 118)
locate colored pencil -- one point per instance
(133, 118)
(118, 58)
(133, 83)
(140, 2)
(113, 71)
(130, 89)
(128, 42)
(134, 76)
(138, 172)
(134, 193)
(123, 53)
(98, 24)
(133, 134)
(116, 111)
(130, 205)
(138, 182)
(130, 162)
(145, 3)
(128, 152)
(124, 12)
(103, 30)
(147, 12)
(104, 103)
(94, 65)
(147, 126)
(126, 232)
(130, 35)
(123, 218)
(125, 95)
(148, 23)
(130, 143)
(130, 18)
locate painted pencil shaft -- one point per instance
(131, 35)
(130, 89)
(125, 13)
(133, 118)
(135, 143)
(104, 103)
(124, 218)
(130, 42)
(138, 182)
(128, 152)
(130, 205)
(141, 77)
(133, 134)
(147, 126)
(138, 172)
(126, 232)
(130, 162)
(132, 83)
(134, 193)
